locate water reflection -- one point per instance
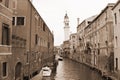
(71, 70)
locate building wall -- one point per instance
(66, 48)
(80, 35)
(99, 39)
(80, 38)
(73, 46)
(5, 49)
(32, 42)
(116, 13)
(20, 39)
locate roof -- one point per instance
(109, 5)
(90, 19)
(31, 4)
(116, 4)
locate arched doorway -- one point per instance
(18, 70)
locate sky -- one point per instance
(53, 12)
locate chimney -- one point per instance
(78, 21)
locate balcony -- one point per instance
(5, 50)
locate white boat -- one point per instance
(46, 71)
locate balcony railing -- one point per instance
(5, 50)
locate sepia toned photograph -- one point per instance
(59, 39)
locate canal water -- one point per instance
(72, 70)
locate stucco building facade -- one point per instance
(32, 40)
(99, 40)
(5, 39)
(81, 38)
(66, 48)
(73, 46)
(26, 42)
(116, 13)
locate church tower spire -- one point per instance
(66, 27)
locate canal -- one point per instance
(72, 70)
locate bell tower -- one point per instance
(66, 27)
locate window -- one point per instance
(73, 47)
(73, 37)
(20, 20)
(7, 3)
(106, 15)
(43, 26)
(5, 34)
(98, 48)
(119, 12)
(39, 22)
(116, 41)
(13, 21)
(67, 24)
(27, 57)
(89, 22)
(14, 4)
(48, 44)
(36, 39)
(98, 45)
(4, 69)
(106, 42)
(36, 22)
(116, 63)
(115, 18)
(39, 41)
